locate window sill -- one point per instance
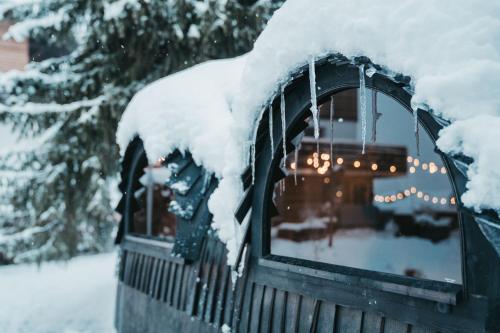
(151, 247)
(441, 292)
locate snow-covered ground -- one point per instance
(69, 297)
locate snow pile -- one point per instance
(76, 296)
(190, 111)
(449, 48)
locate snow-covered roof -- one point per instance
(449, 48)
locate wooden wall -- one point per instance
(159, 291)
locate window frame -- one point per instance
(136, 172)
(342, 79)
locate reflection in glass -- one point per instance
(152, 217)
(389, 210)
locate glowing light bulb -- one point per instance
(443, 201)
(409, 159)
(293, 165)
(425, 166)
(416, 162)
(413, 189)
(393, 198)
(392, 168)
(374, 166)
(400, 196)
(340, 160)
(426, 197)
(357, 164)
(452, 200)
(420, 194)
(325, 157)
(435, 200)
(443, 170)
(412, 169)
(326, 180)
(339, 194)
(407, 193)
(309, 161)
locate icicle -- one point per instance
(296, 161)
(271, 129)
(417, 139)
(332, 111)
(362, 104)
(252, 151)
(314, 102)
(375, 116)
(283, 122)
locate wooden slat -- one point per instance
(292, 312)
(188, 274)
(231, 293)
(179, 286)
(138, 271)
(146, 274)
(152, 280)
(245, 315)
(372, 322)
(159, 279)
(171, 284)
(395, 326)
(220, 302)
(326, 317)
(128, 267)
(213, 285)
(306, 314)
(196, 285)
(267, 309)
(348, 320)
(421, 330)
(279, 311)
(256, 310)
(166, 280)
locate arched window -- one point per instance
(390, 209)
(152, 217)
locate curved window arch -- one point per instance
(152, 217)
(389, 210)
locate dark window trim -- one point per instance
(442, 292)
(437, 291)
(151, 247)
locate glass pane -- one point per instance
(389, 210)
(154, 198)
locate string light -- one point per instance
(357, 164)
(392, 168)
(374, 166)
(430, 167)
(340, 160)
(390, 198)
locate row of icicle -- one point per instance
(315, 114)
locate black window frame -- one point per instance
(346, 77)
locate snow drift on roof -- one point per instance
(449, 48)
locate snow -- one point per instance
(450, 49)
(74, 296)
(190, 111)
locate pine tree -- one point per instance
(66, 109)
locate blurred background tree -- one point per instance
(65, 109)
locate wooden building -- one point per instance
(338, 241)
